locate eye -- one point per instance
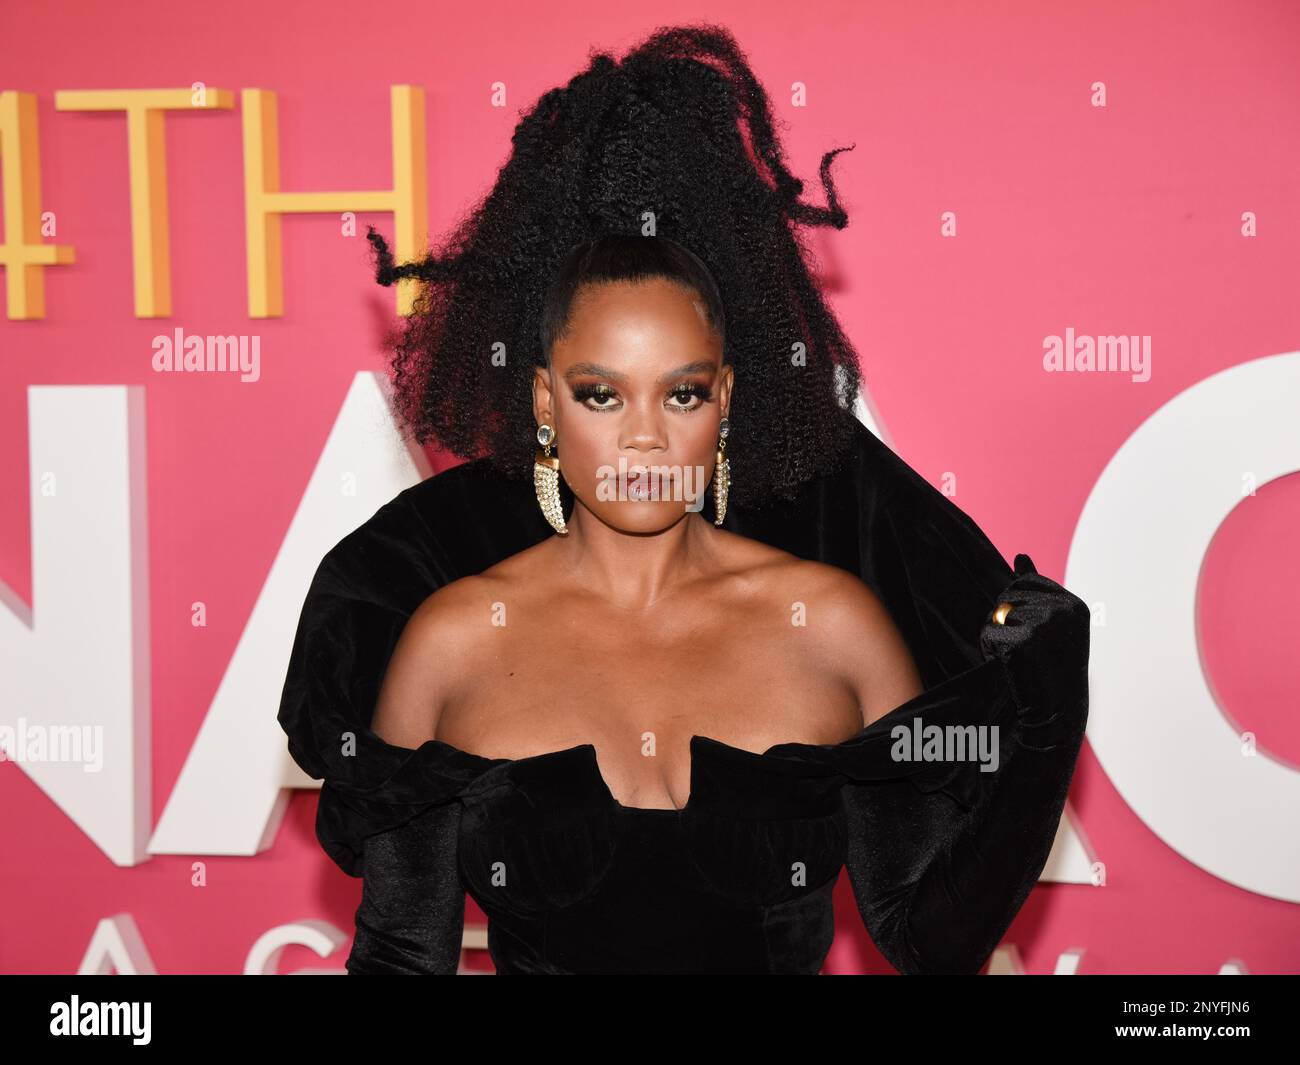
(583, 393)
(691, 396)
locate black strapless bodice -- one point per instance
(739, 880)
(940, 854)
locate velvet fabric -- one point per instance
(940, 854)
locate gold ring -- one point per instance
(1000, 614)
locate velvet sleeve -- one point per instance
(939, 874)
(389, 815)
(412, 914)
(940, 855)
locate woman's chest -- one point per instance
(639, 698)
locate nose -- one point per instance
(642, 431)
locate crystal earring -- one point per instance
(546, 480)
(721, 474)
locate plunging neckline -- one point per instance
(936, 695)
(593, 763)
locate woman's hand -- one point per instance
(1042, 643)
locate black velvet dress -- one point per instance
(940, 854)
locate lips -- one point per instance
(643, 484)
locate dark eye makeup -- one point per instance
(680, 394)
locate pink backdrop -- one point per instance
(1117, 219)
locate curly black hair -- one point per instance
(676, 139)
(614, 257)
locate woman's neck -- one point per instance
(634, 570)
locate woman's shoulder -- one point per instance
(449, 621)
(436, 657)
(837, 591)
(853, 634)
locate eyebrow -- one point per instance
(596, 370)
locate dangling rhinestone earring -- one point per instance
(721, 474)
(546, 480)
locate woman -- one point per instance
(643, 738)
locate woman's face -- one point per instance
(637, 377)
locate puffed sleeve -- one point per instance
(387, 814)
(941, 863)
(412, 914)
(940, 854)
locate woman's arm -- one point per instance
(938, 883)
(412, 912)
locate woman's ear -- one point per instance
(542, 411)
